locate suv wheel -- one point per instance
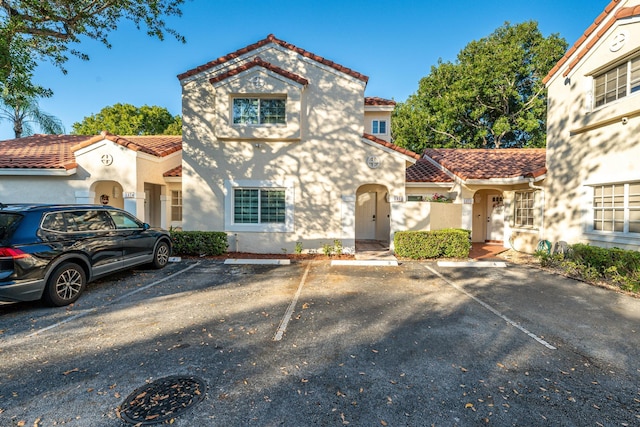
(65, 285)
(161, 255)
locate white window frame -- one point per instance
(375, 127)
(230, 225)
(176, 204)
(518, 208)
(259, 100)
(624, 86)
(630, 204)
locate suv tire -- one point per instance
(161, 255)
(65, 285)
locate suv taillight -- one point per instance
(12, 253)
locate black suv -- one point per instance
(51, 252)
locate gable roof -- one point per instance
(393, 147)
(259, 62)
(58, 151)
(272, 39)
(597, 29)
(478, 164)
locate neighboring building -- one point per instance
(281, 146)
(495, 193)
(138, 173)
(593, 123)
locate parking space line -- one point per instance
(287, 316)
(120, 298)
(491, 309)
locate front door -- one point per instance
(495, 217)
(366, 216)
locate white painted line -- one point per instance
(238, 261)
(287, 316)
(491, 309)
(500, 264)
(120, 298)
(371, 262)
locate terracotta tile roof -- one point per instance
(392, 146)
(58, 151)
(39, 152)
(374, 100)
(173, 173)
(272, 39)
(155, 145)
(607, 13)
(257, 61)
(425, 171)
(491, 163)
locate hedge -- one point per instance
(593, 263)
(199, 243)
(446, 243)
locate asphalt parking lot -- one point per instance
(310, 344)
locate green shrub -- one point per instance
(447, 243)
(593, 263)
(199, 243)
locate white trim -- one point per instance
(378, 108)
(37, 172)
(503, 181)
(429, 184)
(287, 227)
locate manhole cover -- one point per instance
(162, 400)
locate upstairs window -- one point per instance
(617, 82)
(379, 127)
(258, 111)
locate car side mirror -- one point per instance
(145, 226)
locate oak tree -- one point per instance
(127, 119)
(492, 96)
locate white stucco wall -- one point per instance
(587, 145)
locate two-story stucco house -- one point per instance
(281, 146)
(593, 146)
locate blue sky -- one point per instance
(395, 43)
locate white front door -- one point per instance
(366, 216)
(495, 217)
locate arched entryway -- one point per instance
(373, 212)
(108, 193)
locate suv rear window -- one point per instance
(8, 223)
(77, 221)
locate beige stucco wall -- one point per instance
(590, 146)
(424, 216)
(324, 169)
(39, 189)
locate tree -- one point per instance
(25, 113)
(45, 30)
(18, 94)
(491, 97)
(126, 119)
(49, 27)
